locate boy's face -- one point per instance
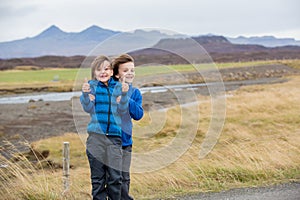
(104, 72)
(126, 70)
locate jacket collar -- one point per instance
(111, 82)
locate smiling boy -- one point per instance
(123, 67)
(104, 143)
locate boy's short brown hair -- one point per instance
(97, 62)
(124, 58)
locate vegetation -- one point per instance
(291, 63)
(259, 145)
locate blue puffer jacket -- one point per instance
(105, 112)
(135, 112)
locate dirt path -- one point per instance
(34, 121)
(288, 191)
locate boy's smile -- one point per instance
(126, 70)
(104, 72)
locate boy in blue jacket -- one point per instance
(104, 143)
(123, 67)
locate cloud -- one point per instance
(230, 18)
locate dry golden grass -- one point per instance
(292, 63)
(27, 67)
(36, 180)
(259, 145)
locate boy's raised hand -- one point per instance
(92, 97)
(125, 86)
(86, 86)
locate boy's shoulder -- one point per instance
(135, 91)
(112, 82)
(93, 82)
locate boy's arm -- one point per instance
(136, 110)
(87, 104)
(123, 104)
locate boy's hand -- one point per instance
(125, 86)
(92, 97)
(118, 99)
(86, 86)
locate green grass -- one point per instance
(48, 75)
(246, 64)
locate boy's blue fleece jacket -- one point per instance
(105, 112)
(135, 112)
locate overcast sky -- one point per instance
(27, 18)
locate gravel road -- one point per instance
(287, 191)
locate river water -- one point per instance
(64, 96)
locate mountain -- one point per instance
(94, 33)
(52, 32)
(96, 40)
(211, 48)
(209, 43)
(267, 41)
(54, 41)
(93, 40)
(130, 41)
(177, 50)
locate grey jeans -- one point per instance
(105, 158)
(126, 161)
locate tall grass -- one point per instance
(259, 145)
(24, 180)
(21, 178)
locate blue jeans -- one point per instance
(126, 161)
(105, 158)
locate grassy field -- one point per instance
(63, 79)
(259, 145)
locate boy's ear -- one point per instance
(117, 76)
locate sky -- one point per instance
(230, 18)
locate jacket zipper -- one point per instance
(109, 110)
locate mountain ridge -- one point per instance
(55, 42)
(267, 41)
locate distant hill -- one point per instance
(267, 41)
(214, 48)
(43, 62)
(170, 51)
